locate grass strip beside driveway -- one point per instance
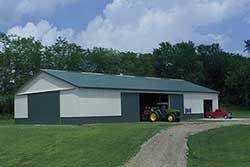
(222, 147)
(75, 146)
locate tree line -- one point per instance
(207, 65)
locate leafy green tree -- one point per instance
(64, 56)
(178, 61)
(216, 64)
(102, 61)
(238, 83)
(209, 65)
(145, 65)
(20, 60)
(187, 63)
(247, 46)
(163, 64)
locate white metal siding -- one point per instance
(44, 83)
(21, 106)
(90, 103)
(195, 101)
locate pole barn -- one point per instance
(62, 97)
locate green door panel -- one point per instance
(44, 108)
(130, 107)
(176, 102)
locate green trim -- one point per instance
(23, 121)
(148, 90)
(81, 120)
(107, 119)
(191, 116)
(92, 120)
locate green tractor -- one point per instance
(162, 112)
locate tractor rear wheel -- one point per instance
(171, 118)
(153, 117)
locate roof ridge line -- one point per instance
(123, 75)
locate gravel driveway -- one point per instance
(169, 147)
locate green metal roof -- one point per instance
(104, 81)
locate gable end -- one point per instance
(44, 83)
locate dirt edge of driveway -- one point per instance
(169, 147)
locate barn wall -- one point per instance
(90, 103)
(44, 83)
(21, 106)
(195, 101)
(81, 106)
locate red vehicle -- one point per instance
(219, 113)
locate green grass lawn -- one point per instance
(238, 111)
(223, 147)
(6, 119)
(100, 145)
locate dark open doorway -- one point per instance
(148, 100)
(208, 105)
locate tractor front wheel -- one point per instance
(171, 118)
(153, 117)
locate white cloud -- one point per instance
(140, 25)
(42, 31)
(13, 10)
(1, 46)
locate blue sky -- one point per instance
(129, 25)
(75, 15)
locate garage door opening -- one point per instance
(208, 106)
(148, 100)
